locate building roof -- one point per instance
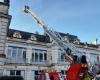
(88, 45)
(27, 35)
(40, 38)
(71, 38)
(45, 38)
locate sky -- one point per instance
(76, 17)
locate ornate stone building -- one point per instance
(23, 53)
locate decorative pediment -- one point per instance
(33, 37)
(17, 35)
(76, 41)
(66, 38)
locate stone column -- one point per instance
(49, 56)
(29, 54)
(55, 54)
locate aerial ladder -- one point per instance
(80, 69)
(51, 33)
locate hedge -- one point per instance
(11, 78)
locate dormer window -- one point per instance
(76, 41)
(66, 38)
(17, 35)
(33, 38)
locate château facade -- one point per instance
(24, 53)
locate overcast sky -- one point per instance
(76, 17)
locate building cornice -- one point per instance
(87, 48)
(26, 42)
(5, 15)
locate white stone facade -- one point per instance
(28, 68)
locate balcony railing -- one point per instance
(62, 61)
(39, 62)
(25, 61)
(16, 60)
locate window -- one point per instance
(36, 56)
(15, 72)
(1, 72)
(39, 55)
(36, 72)
(16, 53)
(24, 54)
(61, 56)
(36, 75)
(32, 56)
(18, 72)
(94, 58)
(68, 51)
(9, 52)
(20, 53)
(45, 56)
(12, 72)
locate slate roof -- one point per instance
(71, 37)
(45, 38)
(89, 45)
(40, 38)
(27, 35)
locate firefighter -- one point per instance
(76, 64)
(72, 59)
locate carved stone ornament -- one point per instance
(17, 35)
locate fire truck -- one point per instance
(76, 71)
